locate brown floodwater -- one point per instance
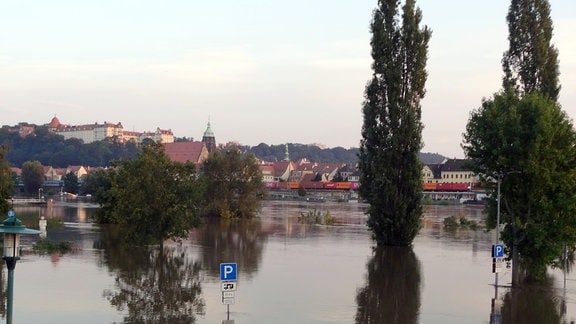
(287, 272)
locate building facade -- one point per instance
(89, 133)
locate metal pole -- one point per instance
(10, 264)
(498, 211)
(497, 232)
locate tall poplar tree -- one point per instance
(531, 62)
(392, 131)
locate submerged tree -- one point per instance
(392, 130)
(32, 176)
(70, 183)
(531, 62)
(532, 137)
(233, 184)
(153, 197)
(523, 130)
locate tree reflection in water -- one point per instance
(241, 241)
(152, 285)
(532, 304)
(392, 291)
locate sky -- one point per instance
(260, 71)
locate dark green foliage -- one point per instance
(533, 137)
(49, 247)
(531, 62)
(316, 217)
(52, 149)
(97, 183)
(233, 184)
(32, 176)
(152, 197)
(70, 183)
(6, 181)
(453, 223)
(392, 131)
(300, 151)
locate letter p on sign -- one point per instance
(498, 250)
(228, 271)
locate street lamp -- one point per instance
(496, 302)
(12, 228)
(499, 180)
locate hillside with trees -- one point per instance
(52, 149)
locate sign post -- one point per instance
(228, 276)
(497, 257)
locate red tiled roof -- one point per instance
(194, 152)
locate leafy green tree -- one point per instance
(70, 182)
(152, 197)
(392, 131)
(97, 183)
(234, 185)
(535, 139)
(522, 129)
(6, 183)
(32, 176)
(531, 62)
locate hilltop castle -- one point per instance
(97, 132)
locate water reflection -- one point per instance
(392, 291)
(240, 241)
(532, 304)
(296, 273)
(152, 284)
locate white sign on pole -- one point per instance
(229, 286)
(228, 301)
(228, 294)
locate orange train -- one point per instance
(312, 185)
(428, 186)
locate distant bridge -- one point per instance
(27, 201)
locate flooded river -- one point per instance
(287, 272)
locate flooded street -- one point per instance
(288, 272)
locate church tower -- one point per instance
(209, 139)
(286, 154)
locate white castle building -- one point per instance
(97, 132)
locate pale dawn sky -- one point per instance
(266, 71)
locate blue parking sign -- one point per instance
(498, 250)
(228, 271)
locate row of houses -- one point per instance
(56, 174)
(449, 171)
(301, 171)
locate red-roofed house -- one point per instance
(195, 152)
